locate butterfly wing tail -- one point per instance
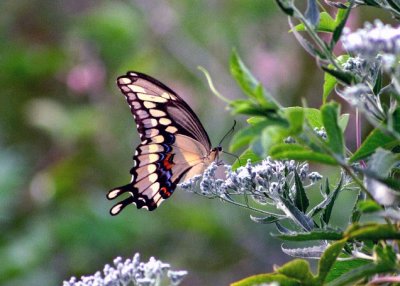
(134, 198)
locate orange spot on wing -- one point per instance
(167, 162)
(164, 192)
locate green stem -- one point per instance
(317, 39)
(212, 87)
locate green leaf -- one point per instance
(296, 215)
(326, 215)
(343, 121)
(329, 80)
(246, 155)
(326, 24)
(261, 279)
(270, 136)
(313, 116)
(298, 269)
(385, 263)
(300, 198)
(328, 259)
(372, 231)
(345, 77)
(329, 84)
(382, 162)
(319, 234)
(249, 84)
(322, 205)
(374, 140)
(341, 267)
(244, 136)
(386, 256)
(369, 206)
(378, 83)
(295, 117)
(300, 153)
(245, 106)
(255, 119)
(330, 114)
(341, 18)
(395, 122)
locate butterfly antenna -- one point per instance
(228, 133)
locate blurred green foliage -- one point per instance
(67, 136)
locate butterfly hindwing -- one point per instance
(173, 142)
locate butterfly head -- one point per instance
(217, 149)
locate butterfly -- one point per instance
(174, 145)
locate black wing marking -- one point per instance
(176, 108)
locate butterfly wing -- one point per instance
(174, 143)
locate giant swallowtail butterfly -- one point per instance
(174, 143)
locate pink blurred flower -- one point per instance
(86, 77)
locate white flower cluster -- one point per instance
(366, 70)
(372, 40)
(362, 96)
(263, 182)
(131, 272)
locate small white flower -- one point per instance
(130, 272)
(372, 40)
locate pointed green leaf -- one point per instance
(328, 259)
(261, 279)
(342, 17)
(374, 140)
(369, 206)
(385, 263)
(343, 121)
(296, 215)
(295, 117)
(313, 235)
(299, 152)
(341, 267)
(326, 24)
(343, 76)
(298, 269)
(249, 84)
(300, 199)
(372, 231)
(329, 84)
(382, 162)
(246, 155)
(330, 115)
(326, 215)
(386, 256)
(244, 136)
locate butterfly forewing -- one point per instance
(174, 143)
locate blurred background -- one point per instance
(67, 135)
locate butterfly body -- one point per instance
(174, 144)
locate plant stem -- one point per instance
(358, 135)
